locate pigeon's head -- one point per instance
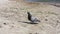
(28, 12)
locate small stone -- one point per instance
(4, 23)
(46, 19)
(58, 21)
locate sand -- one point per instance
(13, 15)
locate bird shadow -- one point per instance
(27, 22)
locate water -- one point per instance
(43, 0)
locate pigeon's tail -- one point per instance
(38, 20)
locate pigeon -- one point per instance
(31, 18)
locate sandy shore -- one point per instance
(13, 14)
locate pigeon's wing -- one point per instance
(33, 19)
